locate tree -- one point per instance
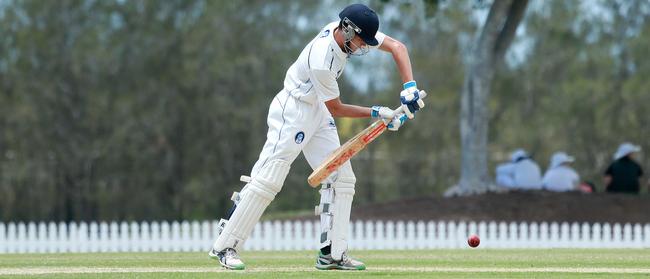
(480, 66)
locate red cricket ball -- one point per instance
(473, 241)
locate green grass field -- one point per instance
(465, 263)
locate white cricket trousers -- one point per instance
(296, 126)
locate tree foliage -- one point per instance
(137, 110)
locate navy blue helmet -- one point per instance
(362, 20)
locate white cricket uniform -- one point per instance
(298, 121)
(561, 179)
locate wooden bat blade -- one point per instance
(345, 152)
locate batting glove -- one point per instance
(383, 112)
(410, 99)
(397, 122)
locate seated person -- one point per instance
(624, 174)
(560, 177)
(520, 173)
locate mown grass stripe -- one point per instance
(98, 270)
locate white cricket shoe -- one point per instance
(228, 258)
(326, 262)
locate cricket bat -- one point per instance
(349, 149)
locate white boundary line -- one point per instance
(97, 270)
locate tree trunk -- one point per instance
(485, 55)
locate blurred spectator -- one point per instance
(520, 173)
(623, 175)
(560, 177)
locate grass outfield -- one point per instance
(465, 263)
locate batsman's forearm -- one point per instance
(346, 110)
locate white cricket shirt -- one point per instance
(312, 78)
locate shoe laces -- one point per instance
(231, 253)
(345, 259)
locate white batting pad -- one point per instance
(336, 203)
(254, 199)
(343, 194)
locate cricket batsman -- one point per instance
(301, 119)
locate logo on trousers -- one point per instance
(332, 124)
(300, 136)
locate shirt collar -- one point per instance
(335, 46)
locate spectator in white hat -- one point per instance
(520, 173)
(560, 177)
(624, 174)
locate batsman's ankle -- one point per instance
(326, 250)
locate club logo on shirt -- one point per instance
(325, 33)
(300, 136)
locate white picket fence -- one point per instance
(298, 235)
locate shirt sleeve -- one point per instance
(380, 38)
(325, 84)
(505, 175)
(576, 178)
